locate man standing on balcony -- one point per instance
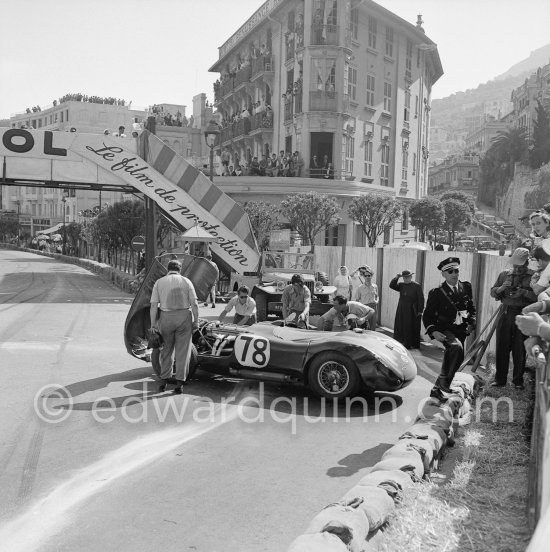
(225, 157)
(315, 168)
(298, 162)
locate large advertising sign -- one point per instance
(177, 187)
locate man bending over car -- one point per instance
(339, 315)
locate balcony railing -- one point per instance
(263, 64)
(226, 134)
(319, 100)
(261, 120)
(226, 87)
(326, 35)
(288, 111)
(241, 127)
(298, 100)
(243, 76)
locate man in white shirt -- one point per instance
(175, 296)
(245, 308)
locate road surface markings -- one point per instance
(49, 514)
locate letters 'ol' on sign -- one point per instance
(138, 243)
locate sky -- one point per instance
(159, 51)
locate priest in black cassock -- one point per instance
(406, 328)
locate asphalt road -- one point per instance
(108, 463)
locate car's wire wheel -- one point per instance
(333, 375)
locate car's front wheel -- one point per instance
(333, 374)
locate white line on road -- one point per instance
(47, 516)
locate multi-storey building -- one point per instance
(524, 98)
(456, 173)
(343, 80)
(480, 139)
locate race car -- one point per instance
(331, 364)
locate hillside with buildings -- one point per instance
(461, 113)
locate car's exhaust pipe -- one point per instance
(264, 376)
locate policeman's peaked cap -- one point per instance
(450, 262)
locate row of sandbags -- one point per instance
(346, 525)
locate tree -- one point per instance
(263, 218)
(9, 225)
(462, 197)
(457, 217)
(73, 233)
(539, 150)
(309, 213)
(497, 166)
(427, 214)
(374, 213)
(538, 197)
(120, 222)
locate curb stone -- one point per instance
(356, 523)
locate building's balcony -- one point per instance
(226, 87)
(288, 111)
(260, 121)
(324, 35)
(241, 127)
(243, 76)
(261, 65)
(298, 101)
(320, 100)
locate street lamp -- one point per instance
(18, 203)
(210, 134)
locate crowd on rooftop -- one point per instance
(164, 117)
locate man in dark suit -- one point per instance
(449, 316)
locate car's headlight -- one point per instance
(280, 285)
(318, 286)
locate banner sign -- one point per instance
(178, 188)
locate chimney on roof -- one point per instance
(419, 23)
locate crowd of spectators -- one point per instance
(35, 109)
(163, 117)
(253, 109)
(90, 99)
(284, 164)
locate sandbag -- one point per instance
(421, 446)
(415, 468)
(318, 542)
(465, 408)
(435, 436)
(467, 379)
(402, 479)
(407, 454)
(377, 504)
(350, 525)
(435, 411)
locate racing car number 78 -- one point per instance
(252, 351)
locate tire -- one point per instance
(261, 306)
(193, 362)
(322, 277)
(333, 374)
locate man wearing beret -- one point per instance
(449, 316)
(513, 290)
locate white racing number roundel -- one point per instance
(252, 351)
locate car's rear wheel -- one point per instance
(333, 374)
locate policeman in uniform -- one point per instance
(449, 316)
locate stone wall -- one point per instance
(511, 207)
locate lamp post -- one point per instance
(64, 249)
(18, 202)
(210, 134)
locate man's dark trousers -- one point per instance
(509, 338)
(454, 355)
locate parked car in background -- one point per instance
(487, 245)
(465, 245)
